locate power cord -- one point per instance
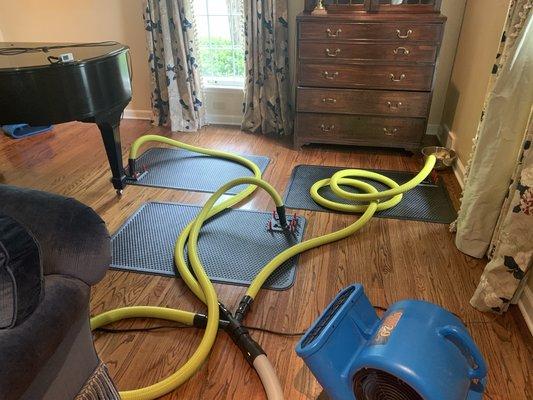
(181, 326)
(251, 328)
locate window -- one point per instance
(220, 37)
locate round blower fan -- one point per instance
(415, 351)
(374, 384)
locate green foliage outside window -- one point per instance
(219, 57)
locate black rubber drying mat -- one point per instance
(234, 246)
(185, 170)
(428, 202)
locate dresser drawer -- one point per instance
(347, 129)
(363, 102)
(402, 31)
(395, 77)
(368, 51)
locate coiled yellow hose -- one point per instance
(198, 281)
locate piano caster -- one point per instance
(119, 192)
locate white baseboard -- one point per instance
(447, 139)
(526, 307)
(137, 114)
(216, 119)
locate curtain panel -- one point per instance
(512, 244)
(267, 88)
(496, 215)
(175, 79)
(499, 139)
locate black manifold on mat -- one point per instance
(428, 202)
(184, 170)
(233, 247)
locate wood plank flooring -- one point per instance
(393, 259)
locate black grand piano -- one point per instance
(52, 83)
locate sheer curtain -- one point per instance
(175, 78)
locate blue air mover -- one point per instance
(417, 351)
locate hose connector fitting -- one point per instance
(132, 167)
(200, 321)
(244, 307)
(282, 216)
(241, 337)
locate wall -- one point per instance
(120, 20)
(83, 21)
(453, 9)
(478, 45)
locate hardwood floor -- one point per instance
(393, 259)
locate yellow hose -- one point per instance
(198, 281)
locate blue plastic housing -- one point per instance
(421, 343)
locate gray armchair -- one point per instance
(49, 354)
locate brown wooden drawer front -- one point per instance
(393, 77)
(378, 131)
(400, 31)
(368, 51)
(363, 102)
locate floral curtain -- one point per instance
(512, 245)
(267, 91)
(489, 221)
(176, 85)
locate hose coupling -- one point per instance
(132, 167)
(280, 222)
(134, 174)
(244, 307)
(282, 216)
(241, 337)
(200, 321)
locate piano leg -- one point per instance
(109, 126)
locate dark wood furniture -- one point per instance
(38, 88)
(366, 72)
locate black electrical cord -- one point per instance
(251, 328)
(12, 51)
(179, 326)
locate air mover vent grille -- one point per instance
(327, 316)
(374, 384)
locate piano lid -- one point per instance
(11, 58)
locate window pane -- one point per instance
(220, 34)
(219, 27)
(218, 7)
(200, 7)
(202, 29)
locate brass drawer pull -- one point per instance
(406, 36)
(402, 50)
(330, 76)
(329, 100)
(334, 53)
(333, 35)
(327, 128)
(394, 106)
(394, 79)
(390, 131)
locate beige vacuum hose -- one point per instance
(269, 378)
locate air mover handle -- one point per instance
(458, 337)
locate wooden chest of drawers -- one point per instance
(366, 78)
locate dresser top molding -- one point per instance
(421, 18)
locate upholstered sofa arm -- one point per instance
(73, 239)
